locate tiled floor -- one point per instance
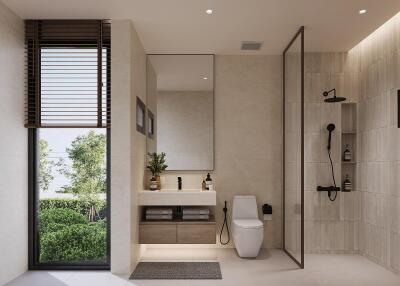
(272, 267)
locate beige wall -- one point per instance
(121, 144)
(248, 135)
(330, 227)
(128, 79)
(185, 129)
(13, 149)
(138, 148)
(379, 139)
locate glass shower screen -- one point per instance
(293, 155)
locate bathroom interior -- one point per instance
(259, 161)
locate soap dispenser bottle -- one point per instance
(203, 185)
(209, 182)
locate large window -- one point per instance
(68, 114)
(71, 224)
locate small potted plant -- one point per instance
(156, 165)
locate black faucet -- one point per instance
(179, 183)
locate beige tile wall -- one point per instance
(330, 227)
(379, 138)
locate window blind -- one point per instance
(68, 73)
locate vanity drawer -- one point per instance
(157, 233)
(196, 233)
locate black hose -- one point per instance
(225, 224)
(333, 177)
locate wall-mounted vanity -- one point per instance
(177, 230)
(180, 123)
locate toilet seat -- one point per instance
(248, 223)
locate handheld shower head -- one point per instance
(330, 129)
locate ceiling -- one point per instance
(182, 26)
(183, 72)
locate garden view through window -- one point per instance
(72, 179)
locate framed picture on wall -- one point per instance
(140, 116)
(150, 129)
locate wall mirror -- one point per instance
(180, 101)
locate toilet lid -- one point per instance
(248, 223)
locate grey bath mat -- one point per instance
(177, 270)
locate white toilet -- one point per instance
(247, 229)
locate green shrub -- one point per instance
(79, 242)
(52, 227)
(66, 235)
(77, 205)
(51, 219)
(102, 223)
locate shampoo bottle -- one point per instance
(347, 184)
(347, 154)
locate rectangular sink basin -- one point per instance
(173, 197)
(181, 191)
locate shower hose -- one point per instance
(333, 177)
(225, 224)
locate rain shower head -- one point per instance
(334, 98)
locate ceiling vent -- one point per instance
(251, 46)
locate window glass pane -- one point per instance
(72, 178)
(294, 162)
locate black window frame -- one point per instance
(33, 199)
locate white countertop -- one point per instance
(173, 197)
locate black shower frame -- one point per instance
(300, 33)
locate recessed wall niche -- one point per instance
(349, 144)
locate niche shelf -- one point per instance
(349, 137)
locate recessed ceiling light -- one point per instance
(209, 11)
(204, 78)
(363, 11)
